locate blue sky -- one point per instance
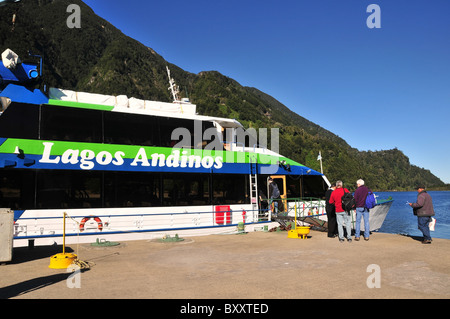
(375, 88)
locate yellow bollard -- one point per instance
(292, 234)
(62, 261)
(303, 231)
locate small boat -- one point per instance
(312, 212)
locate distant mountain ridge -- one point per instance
(99, 58)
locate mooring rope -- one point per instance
(80, 263)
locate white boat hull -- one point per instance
(377, 216)
(46, 227)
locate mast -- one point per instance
(319, 158)
(173, 87)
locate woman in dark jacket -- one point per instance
(331, 213)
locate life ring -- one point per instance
(97, 219)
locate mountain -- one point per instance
(99, 58)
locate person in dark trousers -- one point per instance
(274, 194)
(331, 212)
(423, 209)
(361, 211)
(263, 200)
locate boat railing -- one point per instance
(291, 208)
(307, 206)
(81, 225)
(300, 206)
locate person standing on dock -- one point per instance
(361, 211)
(423, 209)
(341, 216)
(331, 212)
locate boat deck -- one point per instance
(258, 265)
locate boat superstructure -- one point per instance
(125, 168)
(122, 168)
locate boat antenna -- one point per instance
(173, 87)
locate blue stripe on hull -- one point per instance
(135, 231)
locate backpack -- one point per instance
(370, 200)
(348, 202)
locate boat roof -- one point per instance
(68, 98)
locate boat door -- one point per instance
(280, 180)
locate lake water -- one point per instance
(400, 219)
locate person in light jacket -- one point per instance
(423, 209)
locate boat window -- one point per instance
(314, 186)
(293, 186)
(69, 189)
(185, 190)
(93, 126)
(132, 189)
(64, 189)
(188, 133)
(211, 138)
(17, 189)
(131, 129)
(20, 120)
(71, 124)
(176, 132)
(230, 189)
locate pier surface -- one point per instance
(257, 265)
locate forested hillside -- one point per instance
(98, 58)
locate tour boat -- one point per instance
(91, 167)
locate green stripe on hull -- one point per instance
(36, 147)
(81, 105)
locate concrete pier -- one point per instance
(257, 265)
